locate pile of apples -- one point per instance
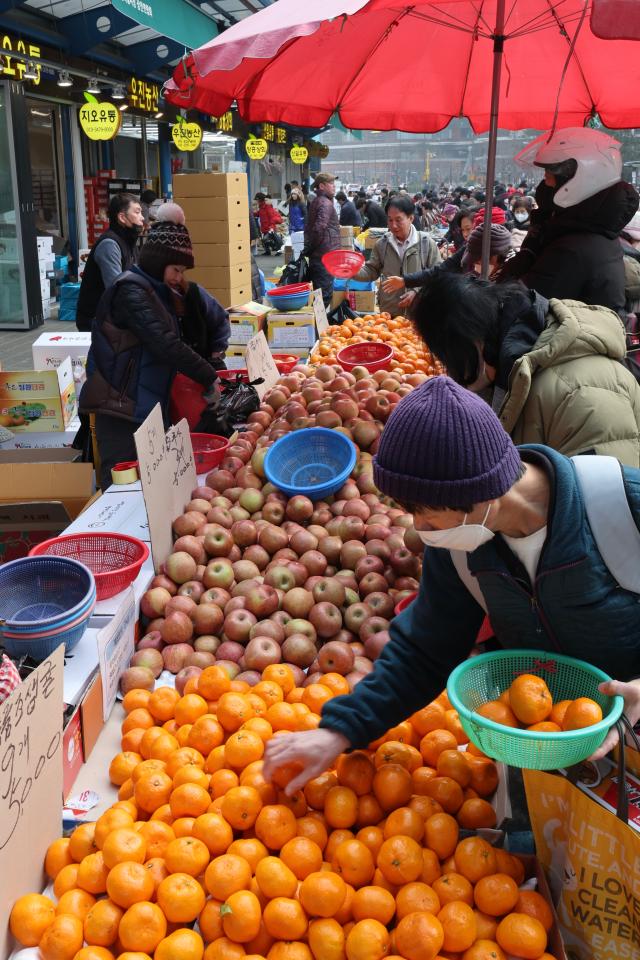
(256, 578)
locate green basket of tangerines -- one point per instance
(532, 709)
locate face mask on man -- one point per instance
(467, 536)
(521, 216)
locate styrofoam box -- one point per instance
(105, 610)
(116, 513)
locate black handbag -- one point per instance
(297, 271)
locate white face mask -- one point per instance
(467, 536)
(521, 217)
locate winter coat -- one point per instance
(572, 253)
(93, 281)
(574, 607)
(297, 213)
(374, 215)
(349, 215)
(567, 388)
(136, 350)
(269, 217)
(518, 234)
(322, 229)
(385, 261)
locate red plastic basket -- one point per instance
(373, 356)
(208, 450)
(343, 264)
(283, 361)
(289, 289)
(113, 558)
(404, 603)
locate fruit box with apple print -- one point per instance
(42, 401)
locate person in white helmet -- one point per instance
(571, 251)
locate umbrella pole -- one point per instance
(498, 47)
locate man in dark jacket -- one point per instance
(137, 345)
(572, 251)
(372, 213)
(504, 528)
(321, 234)
(349, 215)
(112, 254)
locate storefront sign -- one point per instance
(256, 148)
(100, 120)
(225, 122)
(186, 136)
(274, 134)
(143, 95)
(181, 21)
(13, 68)
(299, 154)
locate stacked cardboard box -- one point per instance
(216, 207)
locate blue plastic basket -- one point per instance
(44, 592)
(292, 301)
(43, 647)
(314, 462)
(37, 629)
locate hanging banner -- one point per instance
(186, 136)
(178, 19)
(100, 120)
(299, 154)
(256, 148)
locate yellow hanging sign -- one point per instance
(299, 154)
(186, 136)
(100, 120)
(256, 148)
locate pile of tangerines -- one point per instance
(411, 354)
(201, 857)
(528, 704)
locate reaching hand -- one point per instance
(631, 695)
(313, 751)
(391, 284)
(407, 299)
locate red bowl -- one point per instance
(373, 356)
(404, 603)
(208, 450)
(290, 288)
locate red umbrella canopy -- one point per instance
(384, 64)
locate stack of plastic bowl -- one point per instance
(292, 297)
(44, 601)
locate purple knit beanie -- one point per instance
(444, 447)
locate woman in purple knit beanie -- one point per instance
(506, 532)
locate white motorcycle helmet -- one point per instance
(596, 156)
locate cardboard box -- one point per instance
(43, 478)
(38, 401)
(197, 209)
(221, 254)
(91, 715)
(244, 326)
(72, 752)
(45, 441)
(294, 330)
(362, 301)
(209, 185)
(50, 349)
(220, 231)
(235, 358)
(219, 278)
(533, 868)
(230, 296)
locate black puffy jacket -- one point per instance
(573, 253)
(136, 350)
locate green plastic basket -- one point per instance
(485, 677)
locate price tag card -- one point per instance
(260, 363)
(116, 645)
(168, 475)
(320, 313)
(30, 782)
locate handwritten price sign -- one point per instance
(168, 475)
(260, 364)
(30, 780)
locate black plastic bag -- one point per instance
(297, 271)
(232, 407)
(341, 313)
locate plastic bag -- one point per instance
(297, 271)
(235, 403)
(341, 313)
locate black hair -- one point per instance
(148, 196)
(120, 203)
(361, 202)
(260, 197)
(341, 196)
(453, 312)
(463, 214)
(403, 203)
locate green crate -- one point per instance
(484, 678)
